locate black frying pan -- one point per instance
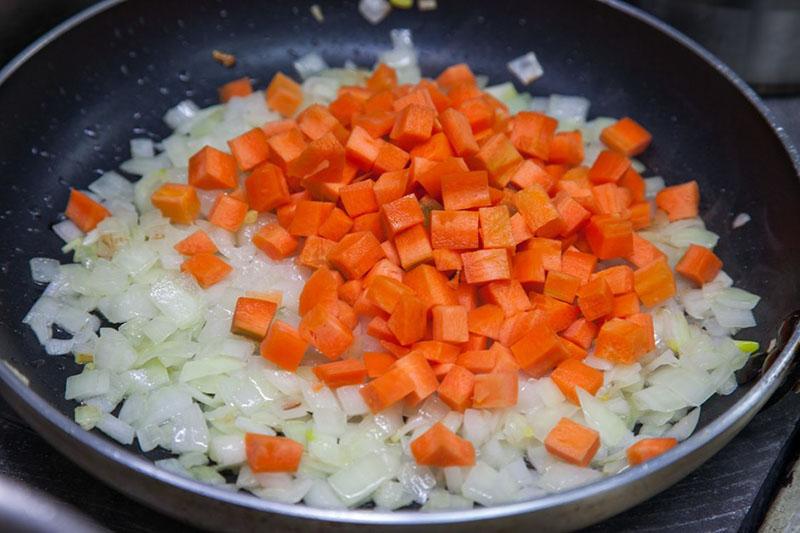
(69, 104)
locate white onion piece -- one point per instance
(526, 68)
(740, 220)
(374, 10)
(310, 64)
(44, 269)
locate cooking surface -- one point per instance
(731, 492)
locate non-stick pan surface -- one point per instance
(70, 103)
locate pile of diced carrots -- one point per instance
(468, 239)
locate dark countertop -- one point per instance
(731, 492)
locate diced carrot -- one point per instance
(643, 252)
(486, 320)
(486, 265)
(679, 201)
(495, 390)
(413, 125)
(408, 320)
(609, 167)
(431, 286)
(437, 351)
(390, 158)
(450, 323)
(278, 126)
(581, 332)
(567, 148)
(387, 389)
(478, 112)
(497, 155)
(390, 186)
(509, 295)
(341, 373)
(355, 254)
(383, 77)
(456, 388)
(532, 133)
(386, 292)
(286, 147)
(440, 100)
(349, 291)
(446, 260)
(419, 97)
(632, 181)
(475, 342)
(325, 332)
(286, 212)
(607, 200)
(413, 247)
(454, 229)
(308, 217)
(455, 75)
(572, 442)
(394, 348)
(548, 250)
(321, 288)
(517, 326)
(495, 226)
(441, 447)
(519, 229)
(240, 87)
(177, 202)
(315, 252)
(358, 198)
(609, 237)
(640, 215)
(210, 168)
(252, 317)
(401, 214)
(539, 351)
(376, 123)
(571, 212)
(345, 106)
(383, 267)
(467, 296)
(378, 328)
(378, 363)
(595, 299)
(645, 320)
(573, 350)
(283, 346)
(479, 361)
(284, 95)
(322, 160)
(207, 269)
(465, 190)
(316, 120)
(369, 222)
(429, 173)
(266, 188)
(336, 225)
(625, 305)
(362, 149)
(250, 148)
(437, 148)
(196, 243)
(621, 341)
(578, 264)
(457, 128)
(87, 214)
(619, 278)
(571, 374)
(646, 449)
(699, 264)
(558, 315)
(528, 267)
(266, 453)
(275, 241)
(626, 137)
(228, 212)
(561, 286)
(417, 368)
(539, 211)
(654, 282)
(441, 370)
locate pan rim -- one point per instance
(745, 407)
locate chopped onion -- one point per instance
(142, 148)
(181, 113)
(310, 64)
(374, 10)
(526, 68)
(67, 230)
(652, 185)
(44, 269)
(740, 220)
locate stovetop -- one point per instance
(731, 492)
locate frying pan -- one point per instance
(69, 104)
